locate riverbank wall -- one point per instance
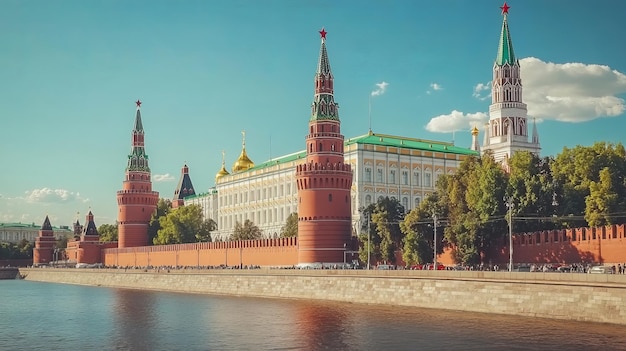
(568, 296)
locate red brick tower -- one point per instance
(184, 188)
(136, 200)
(44, 244)
(324, 181)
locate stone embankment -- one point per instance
(9, 273)
(568, 296)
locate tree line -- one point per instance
(581, 186)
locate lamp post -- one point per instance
(435, 242)
(369, 239)
(510, 205)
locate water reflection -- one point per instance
(89, 318)
(322, 326)
(135, 320)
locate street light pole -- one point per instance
(510, 206)
(369, 239)
(435, 243)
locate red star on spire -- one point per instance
(138, 103)
(323, 33)
(505, 8)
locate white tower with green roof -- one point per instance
(507, 130)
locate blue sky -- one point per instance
(70, 71)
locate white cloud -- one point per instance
(380, 90)
(572, 92)
(480, 88)
(436, 86)
(568, 92)
(163, 177)
(455, 121)
(47, 195)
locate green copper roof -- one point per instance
(381, 140)
(138, 124)
(409, 143)
(505, 47)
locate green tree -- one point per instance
(108, 232)
(418, 229)
(247, 231)
(602, 200)
(183, 225)
(164, 206)
(290, 229)
(386, 236)
(204, 235)
(532, 190)
(575, 169)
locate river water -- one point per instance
(45, 316)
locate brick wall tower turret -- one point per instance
(184, 188)
(324, 181)
(90, 231)
(44, 244)
(136, 200)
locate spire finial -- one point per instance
(138, 103)
(323, 34)
(223, 157)
(505, 9)
(243, 138)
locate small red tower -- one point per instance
(44, 244)
(136, 200)
(184, 188)
(324, 181)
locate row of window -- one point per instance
(259, 218)
(404, 177)
(254, 195)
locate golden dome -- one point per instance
(223, 171)
(243, 163)
(475, 131)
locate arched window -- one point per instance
(330, 197)
(320, 149)
(368, 200)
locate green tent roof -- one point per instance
(505, 47)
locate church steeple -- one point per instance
(324, 106)
(138, 160)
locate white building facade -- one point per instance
(384, 165)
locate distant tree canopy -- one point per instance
(21, 250)
(246, 231)
(184, 225)
(108, 232)
(290, 229)
(384, 230)
(164, 206)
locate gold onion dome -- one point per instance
(222, 172)
(243, 163)
(475, 131)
